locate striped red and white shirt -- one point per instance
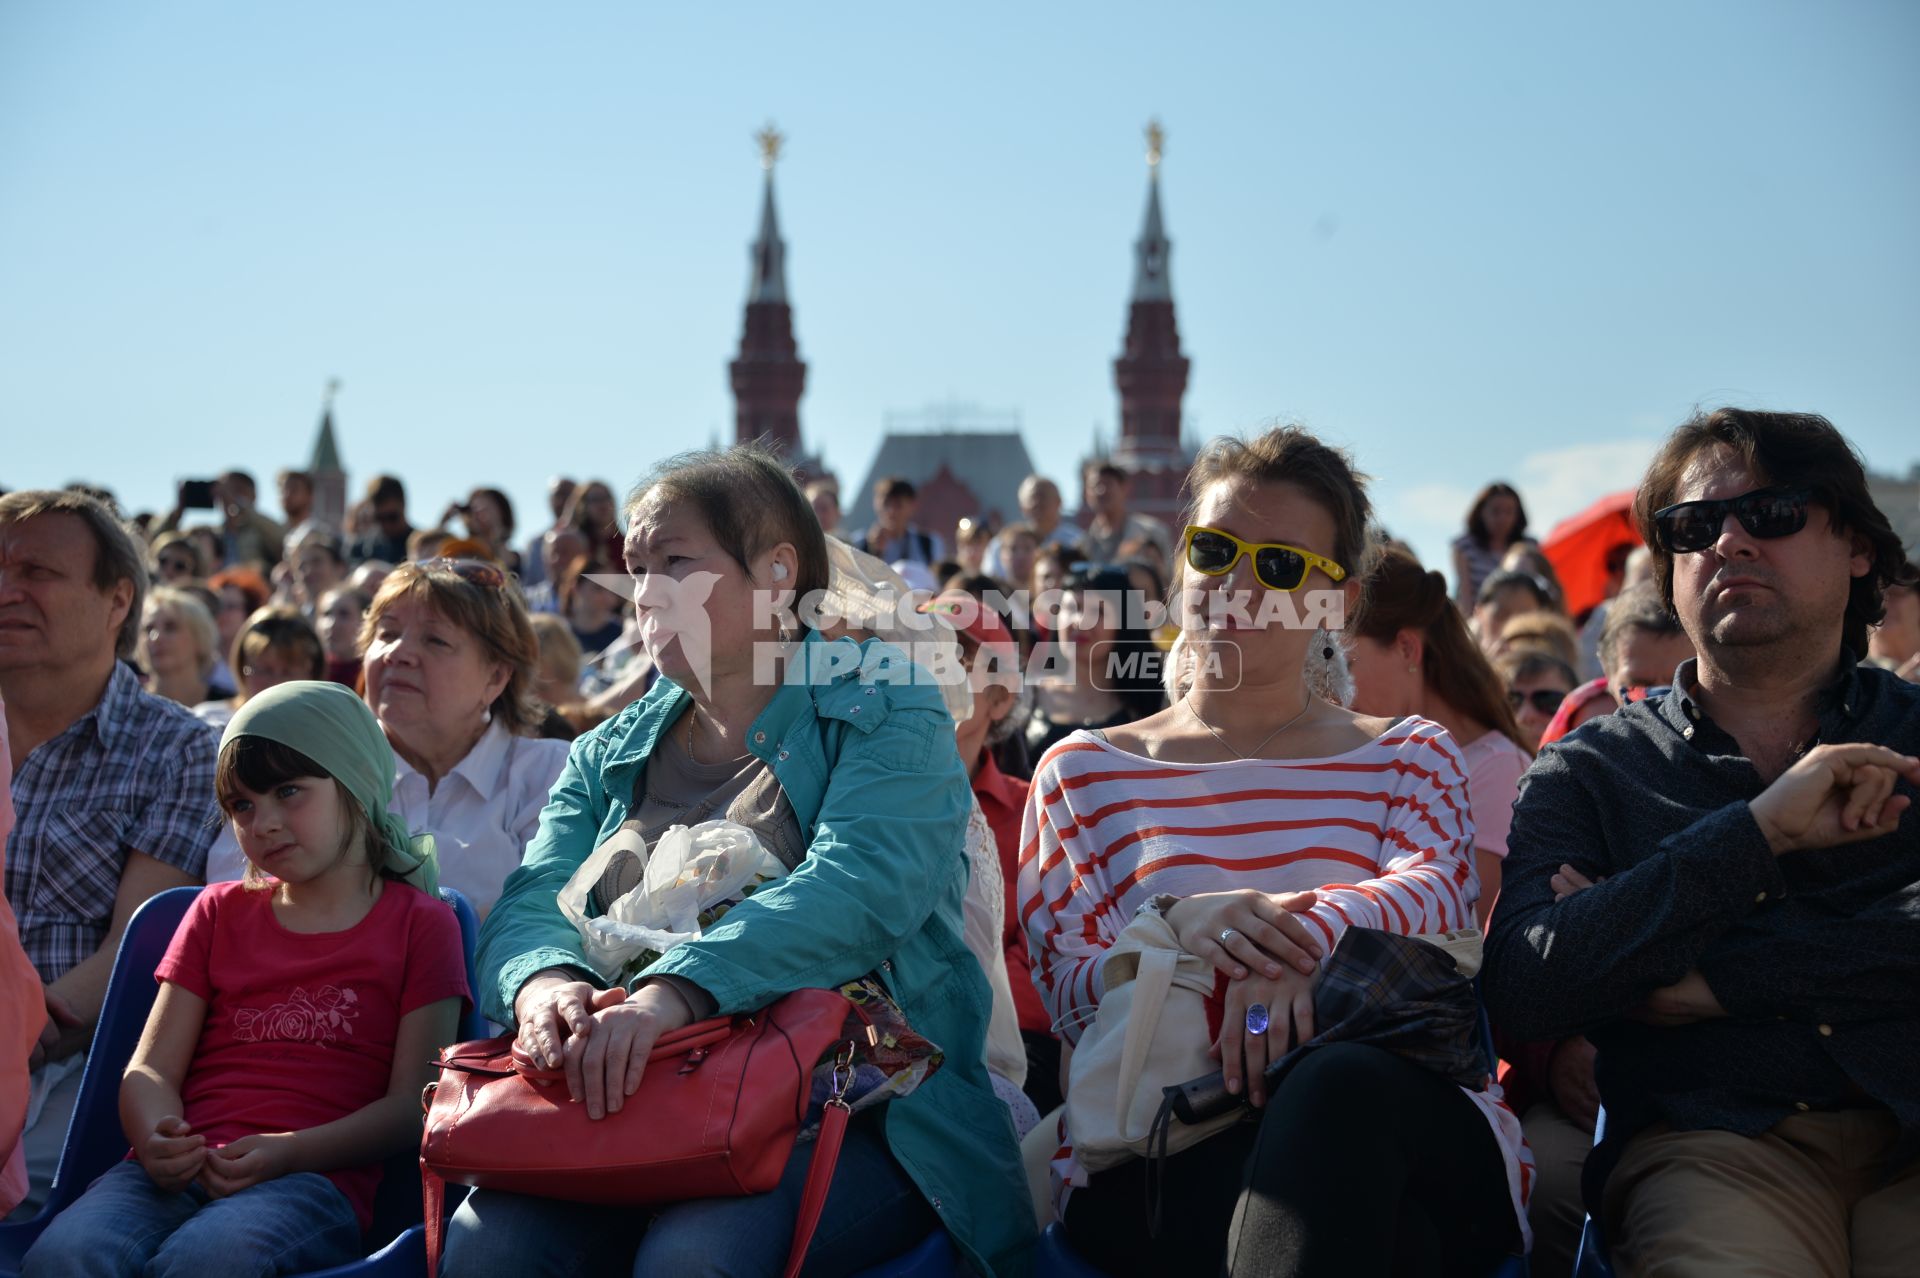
(1382, 833)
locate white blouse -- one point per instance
(482, 815)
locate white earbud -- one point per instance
(779, 572)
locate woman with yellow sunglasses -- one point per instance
(1260, 821)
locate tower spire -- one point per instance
(769, 252)
(768, 375)
(1151, 373)
(328, 477)
(1151, 283)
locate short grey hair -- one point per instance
(118, 550)
(1638, 607)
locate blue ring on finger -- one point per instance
(1257, 1019)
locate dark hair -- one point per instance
(1109, 470)
(1292, 455)
(257, 765)
(325, 539)
(750, 502)
(1401, 595)
(891, 486)
(280, 630)
(1509, 578)
(1134, 651)
(386, 488)
(1477, 514)
(503, 501)
(1799, 448)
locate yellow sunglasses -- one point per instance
(1279, 567)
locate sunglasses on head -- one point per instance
(1690, 526)
(1213, 553)
(1544, 700)
(476, 572)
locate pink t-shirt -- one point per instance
(300, 1027)
(1494, 767)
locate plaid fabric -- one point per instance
(1401, 994)
(135, 773)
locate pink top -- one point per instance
(1494, 767)
(300, 1027)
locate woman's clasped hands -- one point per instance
(1270, 958)
(600, 1039)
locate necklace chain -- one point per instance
(1186, 703)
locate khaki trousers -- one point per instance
(1815, 1197)
(1555, 1210)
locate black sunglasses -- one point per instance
(1545, 700)
(1765, 513)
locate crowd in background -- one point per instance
(482, 648)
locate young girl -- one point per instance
(296, 1019)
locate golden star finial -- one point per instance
(1156, 143)
(770, 140)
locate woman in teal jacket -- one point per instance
(846, 767)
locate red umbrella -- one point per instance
(1587, 549)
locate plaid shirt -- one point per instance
(135, 773)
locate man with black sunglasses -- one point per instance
(1720, 887)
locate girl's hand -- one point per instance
(1243, 1056)
(1260, 930)
(608, 1064)
(248, 1161)
(172, 1154)
(553, 1007)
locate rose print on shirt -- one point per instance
(304, 1018)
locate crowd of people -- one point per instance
(1637, 822)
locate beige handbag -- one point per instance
(1150, 1033)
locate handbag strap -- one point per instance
(1151, 984)
(813, 1196)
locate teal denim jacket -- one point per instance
(867, 759)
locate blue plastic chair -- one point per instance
(95, 1141)
(1591, 1261)
(474, 1024)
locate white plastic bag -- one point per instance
(688, 874)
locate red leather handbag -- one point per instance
(716, 1115)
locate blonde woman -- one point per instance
(179, 647)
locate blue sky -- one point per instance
(1467, 241)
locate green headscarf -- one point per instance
(333, 727)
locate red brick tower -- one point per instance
(1151, 373)
(769, 375)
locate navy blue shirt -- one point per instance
(1815, 955)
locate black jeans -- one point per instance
(1363, 1163)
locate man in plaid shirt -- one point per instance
(112, 787)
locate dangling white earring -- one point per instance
(1328, 676)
